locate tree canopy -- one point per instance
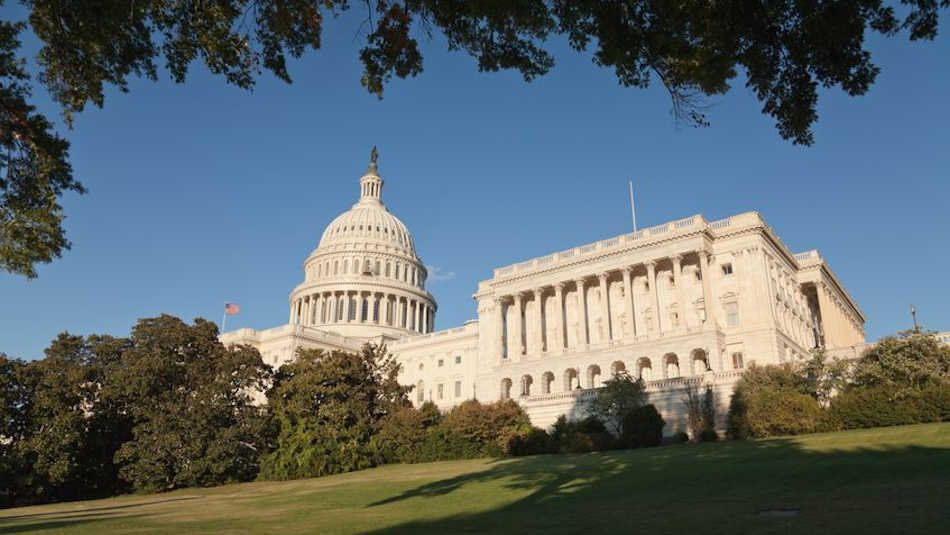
(784, 49)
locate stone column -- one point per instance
(314, 308)
(500, 325)
(293, 305)
(708, 303)
(628, 303)
(654, 295)
(425, 318)
(581, 313)
(604, 307)
(680, 290)
(519, 327)
(559, 331)
(347, 304)
(539, 337)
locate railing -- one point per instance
(585, 394)
(568, 254)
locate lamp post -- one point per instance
(913, 314)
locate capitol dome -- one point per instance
(365, 279)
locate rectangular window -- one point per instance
(458, 359)
(732, 314)
(737, 361)
(440, 390)
(458, 389)
(727, 269)
(441, 362)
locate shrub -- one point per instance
(708, 435)
(774, 400)
(680, 437)
(534, 442)
(876, 406)
(643, 427)
(581, 436)
(772, 412)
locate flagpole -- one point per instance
(633, 210)
(224, 318)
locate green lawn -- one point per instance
(891, 480)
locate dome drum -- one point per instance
(364, 278)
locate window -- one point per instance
(440, 389)
(458, 359)
(737, 361)
(727, 269)
(732, 314)
(458, 389)
(420, 393)
(346, 266)
(420, 366)
(441, 362)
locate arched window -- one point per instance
(387, 269)
(526, 381)
(364, 309)
(645, 369)
(352, 314)
(376, 311)
(346, 267)
(617, 368)
(672, 363)
(339, 309)
(593, 376)
(571, 379)
(700, 361)
(547, 379)
(336, 267)
(505, 389)
(397, 271)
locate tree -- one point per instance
(700, 411)
(785, 49)
(34, 167)
(17, 389)
(327, 408)
(904, 365)
(619, 396)
(191, 406)
(824, 378)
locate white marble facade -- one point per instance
(691, 301)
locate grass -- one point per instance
(889, 480)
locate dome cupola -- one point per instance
(364, 278)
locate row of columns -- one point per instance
(378, 308)
(583, 335)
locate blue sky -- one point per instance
(203, 193)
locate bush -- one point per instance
(643, 427)
(708, 435)
(581, 436)
(534, 442)
(876, 406)
(772, 412)
(680, 437)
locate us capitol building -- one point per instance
(688, 302)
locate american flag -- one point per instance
(231, 309)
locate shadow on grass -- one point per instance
(765, 487)
(85, 510)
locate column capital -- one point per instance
(579, 281)
(650, 264)
(558, 287)
(603, 275)
(677, 258)
(538, 291)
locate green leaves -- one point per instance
(619, 396)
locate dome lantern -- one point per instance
(371, 185)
